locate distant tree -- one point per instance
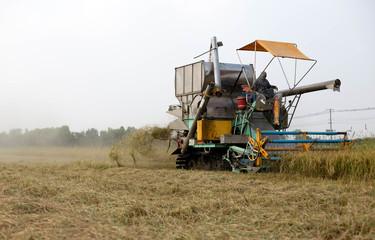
(15, 132)
(3, 139)
(91, 137)
(130, 130)
(112, 136)
(15, 137)
(62, 136)
(79, 138)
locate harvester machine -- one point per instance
(228, 119)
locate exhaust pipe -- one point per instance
(215, 50)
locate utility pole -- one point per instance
(330, 119)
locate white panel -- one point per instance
(188, 78)
(197, 77)
(179, 81)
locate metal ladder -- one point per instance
(292, 107)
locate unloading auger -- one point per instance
(229, 120)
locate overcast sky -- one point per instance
(111, 63)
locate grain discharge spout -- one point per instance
(333, 84)
(202, 108)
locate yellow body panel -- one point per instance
(212, 130)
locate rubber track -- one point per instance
(181, 162)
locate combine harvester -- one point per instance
(229, 120)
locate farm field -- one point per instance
(77, 193)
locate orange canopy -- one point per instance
(277, 49)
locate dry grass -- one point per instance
(89, 198)
(53, 155)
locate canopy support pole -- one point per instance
(315, 61)
(287, 82)
(255, 63)
(243, 69)
(268, 64)
(295, 71)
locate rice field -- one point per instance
(78, 193)
(357, 163)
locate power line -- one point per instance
(354, 110)
(332, 110)
(367, 119)
(311, 114)
(348, 121)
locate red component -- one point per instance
(241, 102)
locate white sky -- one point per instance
(111, 63)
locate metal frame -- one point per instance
(305, 145)
(296, 97)
(295, 85)
(295, 67)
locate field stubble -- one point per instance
(77, 193)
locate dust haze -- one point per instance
(99, 64)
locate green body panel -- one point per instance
(189, 122)
(240, 150)
(211, 145)
(241, 123)
(236, 149)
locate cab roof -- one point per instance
(277, 49)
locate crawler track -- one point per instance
(202, 161)
(181, 161)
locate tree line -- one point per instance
(62, 137)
